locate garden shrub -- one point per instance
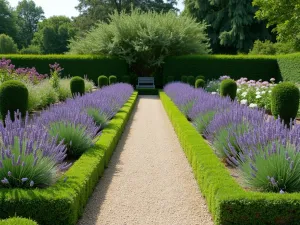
(213, 66)
(77, 86)
(100, 118)
(199, 83)
(102, 81)
(184, 79)
(170, 79)
(289, 67)
(228, 87)
(144, 40)
(126, 79)
(269, 48)
(191, 80)
(31, 50)
(7, 45)
(112, 79)
(285, 101)
(200, 77)
(17, 221)
(13, 97)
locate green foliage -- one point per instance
(90, 66)
(102, 81)
(100, 118)
(144, 40)
(184, 79)
(77, 86)
(232, 26)
(53, 34)
(199, 83)
(126, 79)
(283, 15)
(213, 86)
(214, 66)
(269, 48)
(285, 101)
(74, 137)
(54, 79)
(112, 79)
(202, 121)
(28, 15)
(170, 79)
(8, 19)
(228, 87)
(68, 196)
(289, 67)
(13, 97)
(227, 201)
(7, 45)
(31, 50)
(191, 80)
(275, 165)
(17, 221)
(200, 77)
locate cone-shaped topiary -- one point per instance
(170, 79)
(112, 79)
(184, 79)
(191, 80)
(199, 83)
(200, 77)
(13, 97)
(77, 86)
(126, 79)
(285, 101)
(102, 81)
(228, 87)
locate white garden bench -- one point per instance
(145, 82)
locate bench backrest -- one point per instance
(146, 79)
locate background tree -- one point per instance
(53, 34)
(28, 15)
(284, 15)
(232, 26)
(7, 20)
(7, 45)
(92, 11)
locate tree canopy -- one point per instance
(8, 19)
(232, 26)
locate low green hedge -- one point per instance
(145, 91)
(64, 202)
(227, 201)
(74, 65)
(289, 66)
(17, 221)
(214, 66)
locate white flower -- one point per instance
(263, 92)
(238, 90)
(252, 105)
(270, 91)
(214, 93)
(258, 96)
(244, 102)
(244, 94)
(258, 93)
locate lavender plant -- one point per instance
(29, 156)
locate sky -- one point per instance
(66, 7)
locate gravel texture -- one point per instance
(148, 180)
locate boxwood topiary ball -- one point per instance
(285, 101)
(191, 80)
(112, 79)
(184, 79)
(228, 87)
(102, 81)
(200, 77)
(199, 83)
(77, 86)
(13, 97)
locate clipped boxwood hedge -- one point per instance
(64, 202)
(17, 221)
(227, 201)
(214, 66)
(74, 65)
(289, 66)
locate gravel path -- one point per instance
(149, 180)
